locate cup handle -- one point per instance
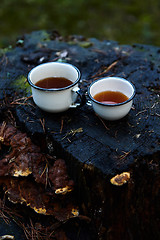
(82, 98)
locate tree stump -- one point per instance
(96, 150)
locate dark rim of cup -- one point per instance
(116, 104)
(54, 89)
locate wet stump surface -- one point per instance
(95, 150)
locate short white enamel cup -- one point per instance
(112, 111)
(55, 99)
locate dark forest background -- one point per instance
(125, 21)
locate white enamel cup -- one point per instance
(112, 111)
(56, 99)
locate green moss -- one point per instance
(21, 84)
(124, 21)
(45, 36)
(5, 50)
(39, 36)
(84, 44)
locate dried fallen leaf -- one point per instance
(62, 54)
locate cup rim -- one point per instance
(53, 89)
(116, 104)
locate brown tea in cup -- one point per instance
(54, 82)
(110, 97)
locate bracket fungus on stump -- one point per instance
(34, 178)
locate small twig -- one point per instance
(124, 155)
(105, 70)
(24, 104)
(20, 99)
(36, 233)
(11, 118)
(46, 176)
(17, 101)
(44, 170)
(5, 218)
(43, 124)
(102, 122)
(99, 51)
(78, 130)
(62, 122)
(32, 229)
(27, 234)
(69, 140)
(73, 132)
(2, 129)
(141, 112)
(153, 105)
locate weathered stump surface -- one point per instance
(96, 150)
